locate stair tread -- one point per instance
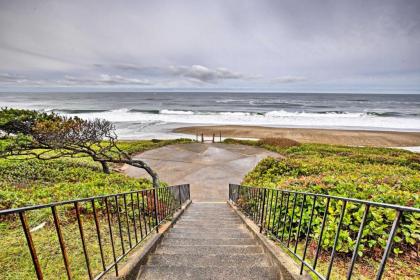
(209, 249)
(150, 272)
(209, 260)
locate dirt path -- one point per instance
(208, 168)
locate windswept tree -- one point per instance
(46, 136)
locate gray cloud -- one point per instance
(11, 78)
(103, 79)
(204, 74)
(288, 79)
(238, 43)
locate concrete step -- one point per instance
(209, 216)
(210, 219)
(208, 222)
(150, 272)
(210, 235)
(255, 260)
(208, 227)
(195, 230)
(209, 249)
(198, 241)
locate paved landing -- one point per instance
(208, 168)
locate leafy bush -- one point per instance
(378, 174)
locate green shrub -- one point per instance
(378, 174)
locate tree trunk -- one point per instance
(105, 167)
(136, 163)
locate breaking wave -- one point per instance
(326, 119)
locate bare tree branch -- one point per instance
(47, 136)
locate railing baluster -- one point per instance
(31, 245)
(300, 222)
(180, 198)
(255, 211)
(286, 216)
(156, 209)
(324, 221)
(111, 236)
(268, 208)
(262, 210)
(152, 208)
(117, 207)
(251, 198)
(79, 221)
(389, 245)
(291, 220)
(279, 217)
(138, 207)
(134, 218)
(308, 232)
(61, 241)
(274, 213)
(356, 246)
(127, 221)
(260, 213)
(168, 201)
(98, 234)
(337, 235)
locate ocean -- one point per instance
(142, 115)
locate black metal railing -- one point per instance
(298, 220)
(124, 218)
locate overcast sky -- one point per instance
(356, 46)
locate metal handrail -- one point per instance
(269, 208)
(143, 213)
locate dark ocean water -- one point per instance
(145, 115)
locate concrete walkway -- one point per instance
(208, 168)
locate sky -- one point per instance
(241, 45)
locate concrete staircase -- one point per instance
(208, 242)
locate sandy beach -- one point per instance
(307, 135)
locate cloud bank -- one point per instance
(273, 45)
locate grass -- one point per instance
(378, 174)
(31, 182)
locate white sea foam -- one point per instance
(176, 112)
(273, 118)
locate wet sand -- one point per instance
(308, 135)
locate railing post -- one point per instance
(202, 137)
(61, 241)
(262, 211)
(31, 245)
(389, 245)
(155, 199)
